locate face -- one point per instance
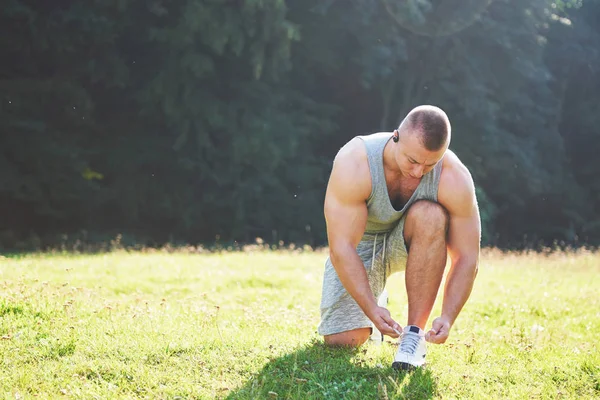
(413, 159)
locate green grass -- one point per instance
(243, 326)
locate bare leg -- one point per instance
(353, 338)
(425, 231)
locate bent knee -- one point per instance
(429, 212)
(353, 338)
(425, 219)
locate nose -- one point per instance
(418, 171)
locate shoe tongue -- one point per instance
(414, 329)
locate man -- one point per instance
(399, 201)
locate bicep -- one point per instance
(345, 205)
(457, 194)
(464, 236)
(346, 221)
(464, 232)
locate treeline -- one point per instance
(212, 121)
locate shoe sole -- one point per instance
(402, 366)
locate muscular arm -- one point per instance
(346, 216)
(457, 195)
(464, 254)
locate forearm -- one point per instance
(353, 275)
(459, 284)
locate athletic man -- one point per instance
(399, 201)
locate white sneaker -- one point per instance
(411, 349)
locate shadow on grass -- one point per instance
(319, 372)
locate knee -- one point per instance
(428, 215)
(354, 338)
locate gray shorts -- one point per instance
(339, 311)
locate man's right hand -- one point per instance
(383, 321)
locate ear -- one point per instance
(396, 136)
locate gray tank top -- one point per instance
(382, 216)
(381, 220)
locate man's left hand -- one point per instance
(440, 329)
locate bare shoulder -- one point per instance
(350, 177)
(457, 190)
(345, 200)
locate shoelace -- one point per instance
(409, 343)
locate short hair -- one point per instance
(432, 123)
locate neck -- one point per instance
(389, 162)
(390, 166)
(388, 158)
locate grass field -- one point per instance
(243, 325)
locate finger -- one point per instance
(393, 324)
(439, 338)
(436, 325)
(395, 333)
(431, 333)
(433, 339)
(390, 327)
(392, 332)
(443, 331)
(387, 330)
